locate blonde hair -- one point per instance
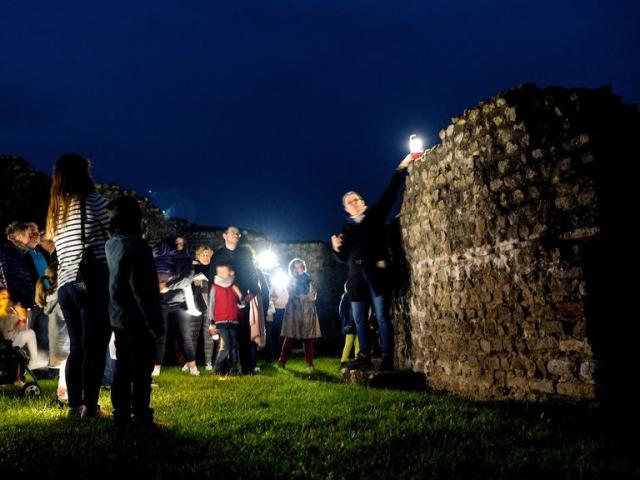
(201, 249)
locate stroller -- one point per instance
(14, 358)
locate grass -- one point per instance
(292, 424)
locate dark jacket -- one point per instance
(198, 292)
(17, 274)
(180, 270)
(133, 285)
(364, 245)
(241, 260)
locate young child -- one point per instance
(136, 316)
(223, 314)
(47, 299)
(300, 316)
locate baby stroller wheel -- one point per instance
(31, 389)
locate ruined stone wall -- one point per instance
(497, 228)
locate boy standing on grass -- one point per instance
(223, 314)
(136, 315)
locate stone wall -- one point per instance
(499, 231)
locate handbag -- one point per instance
(92, 273)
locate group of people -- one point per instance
(96, 278)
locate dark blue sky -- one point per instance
(262, 113)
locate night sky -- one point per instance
(262, 113)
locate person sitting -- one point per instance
(13, 327)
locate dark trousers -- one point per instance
(89, 329)
(246, 350)
(177, 320)
(39, 322)
(200, 328)
(273, 334)
(227, 359)
(131, 390)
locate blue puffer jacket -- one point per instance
(16, 274)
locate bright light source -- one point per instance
(280, 280)
(415, 144)
(267, 260)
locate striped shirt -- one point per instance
(68, 238)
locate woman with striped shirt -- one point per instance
(86, 312)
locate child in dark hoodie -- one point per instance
(136, 316)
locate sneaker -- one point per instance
(156, 371)
(343, 365)
(185, 368)
(38, 364)
(281, 364)
(193, 371)
(256, 369)
(309, 368)
(208, 367)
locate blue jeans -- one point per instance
(39, 322)
(360, 312)
(89, 329)
(227, 359)
(109, 371)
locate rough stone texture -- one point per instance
(497, 231)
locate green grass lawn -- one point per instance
(292, 424)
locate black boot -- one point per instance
(387, 363)
(360, 363)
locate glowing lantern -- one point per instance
(415, 146)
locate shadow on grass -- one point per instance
(242, 434)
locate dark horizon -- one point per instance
(263, 115)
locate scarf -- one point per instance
(301, 284)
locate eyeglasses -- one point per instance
(234, 234)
